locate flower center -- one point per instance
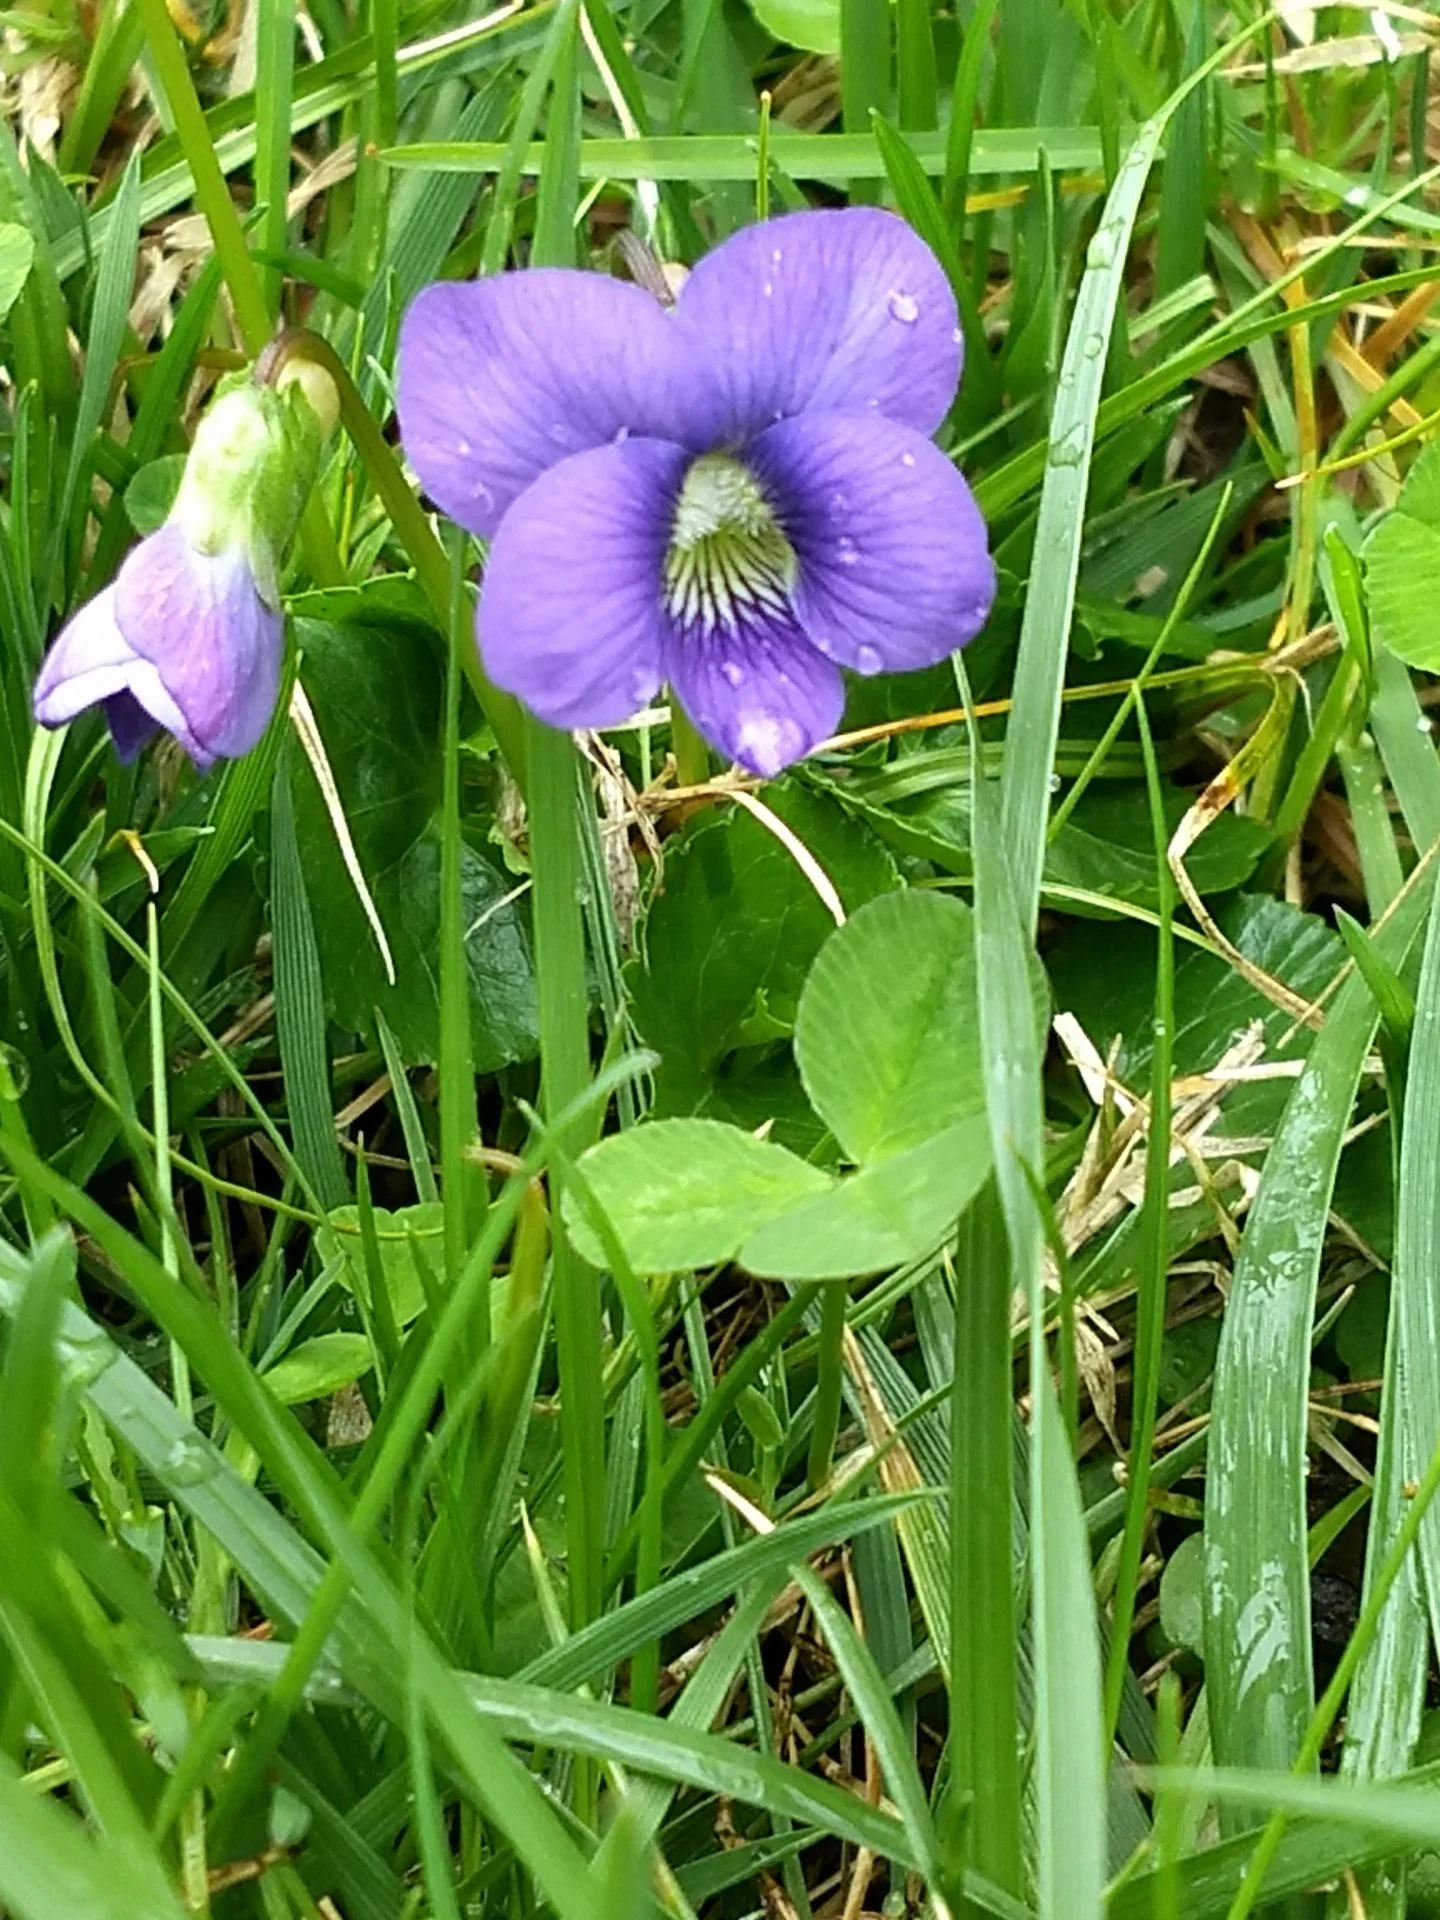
(727, 556)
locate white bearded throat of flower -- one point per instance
(728, 560)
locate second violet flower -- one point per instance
(739, 497)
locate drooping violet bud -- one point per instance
(190, 637)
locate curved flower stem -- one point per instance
(242, 276)
(412, 528)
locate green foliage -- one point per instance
(376, 694)
(687, 1193)
(1400, 560)
(727, 945)
(17, 251)
(539, 1374)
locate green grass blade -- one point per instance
(107, 72)
(1045, 630)
(1388, 1695)
(274, 98)
(1407, 748)
(1069, 1721)
(50, 1868)
(984, 1817)
(1069, 1776)
(961, 137)
(1257, 1629)
(1315, 1849)
(300, 1006)
(872, 1700)
(707, 159)
(113, 287)
(661, 1748)
(917, 101)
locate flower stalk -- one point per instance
(411, 524)
(227, 236)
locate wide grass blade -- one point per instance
(1069, 1763)
(1257, 1625)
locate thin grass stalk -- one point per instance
(562, 985)
(457, 1073)
(830, 1362)
(981, 1823)
(274, 93)
(1151, 1295)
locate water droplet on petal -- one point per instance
(622, 434)
(821, 644)
(559, 432)
(846, 551)
(837, 501)
(769, 289)
(767, 744)
(907, 459)
(957, 335)
(733, 672)
(905, 308)
(868, 660)
(775, 257)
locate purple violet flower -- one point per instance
(189, 636)
(739, 497)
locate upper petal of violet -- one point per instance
(215, 648)
(894, 569)
(499, 379)
(571, 617)
(844, 310)
(89, 662)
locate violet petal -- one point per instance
(130, 725)
(842, 310)
(214, 646)
(757, 690)
(894, 567)
(500, 379)
(570, 616)
(89, 661)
